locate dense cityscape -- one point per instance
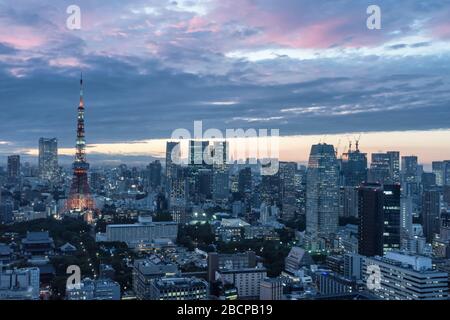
(340, 227)
(215, 158)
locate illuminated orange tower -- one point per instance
(80, 198)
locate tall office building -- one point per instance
(394, 166)
(348, 202)
(406, 217)
(428, 180)
(392, 217)
(371, 215)
(271, 188)
(48, 158)
(410, 175)
(154, 170)
(220, 171)
(220, 153)
(288, 190)
(13, 167)
(431, 213)
(385, 168)
(322, 193)
(173, 157)
(221, 177)
(446, 173)
(438, 170)
(354, 167)
(245, 180)
(199, 151)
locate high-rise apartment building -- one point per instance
(48, 158)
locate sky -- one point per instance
(311, 69)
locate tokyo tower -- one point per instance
(80, 198)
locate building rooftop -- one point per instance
(37, 237)
(234, 223)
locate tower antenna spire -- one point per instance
(80, 198)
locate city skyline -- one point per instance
(140, 153)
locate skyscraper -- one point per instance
(220, 171)
(154, 174)
(221, 189)
(410, 170)
(80, 198)
(392, 217)
(288, 190)
(245, 180)
(385, 168)
(354, 167)
(13, 167)
(394, 166)
(371, 219)
(198, 152)
(431, 213)
(48, 158)
(322, 193)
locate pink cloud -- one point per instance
(20, 37)
(442, 31)
(66, 62)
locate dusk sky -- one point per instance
(311, 69)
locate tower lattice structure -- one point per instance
(80, 198)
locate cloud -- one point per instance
(153, 66)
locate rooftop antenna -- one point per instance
(357, 142)
(337, 148)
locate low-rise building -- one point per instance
(19, 284)
(179, 289)
(405, 277)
